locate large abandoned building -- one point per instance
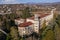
(33, 24)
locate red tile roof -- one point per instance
(40, 15)
(43, 15)
(25, 24)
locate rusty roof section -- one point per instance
(25, 24)
(32, 18)
(40, 15)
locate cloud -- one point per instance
(9, 1)
(26, 1)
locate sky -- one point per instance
(26, 1)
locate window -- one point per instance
(24, 31)
(36, 26)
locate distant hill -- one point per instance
(32, 3)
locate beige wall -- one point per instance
(25, 30)
(21, 31)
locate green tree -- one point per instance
(6, 24)
(14, 33)
(8, 37)
(7, 16)
(57, 20)
(57, 32)
(21, 38)
(11, 23)
(2, 36)
(26, 13)
(0, 17)
(44, 25)
(11, 16)
(49, 35)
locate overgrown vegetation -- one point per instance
(52, 31)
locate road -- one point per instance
(3, 32)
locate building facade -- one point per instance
(33, 24)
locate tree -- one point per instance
(44, 25)
(49, 35)
(2, 36)
(0, 17)
(11, 23)
(21, 38)
(58, 20)
(26, 13)
(8, 37)
(14, 33)
(57, 32)
(11, 16)
(7, 16)
(6, 24)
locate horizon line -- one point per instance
(29, 2)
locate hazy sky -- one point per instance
(26, 1)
